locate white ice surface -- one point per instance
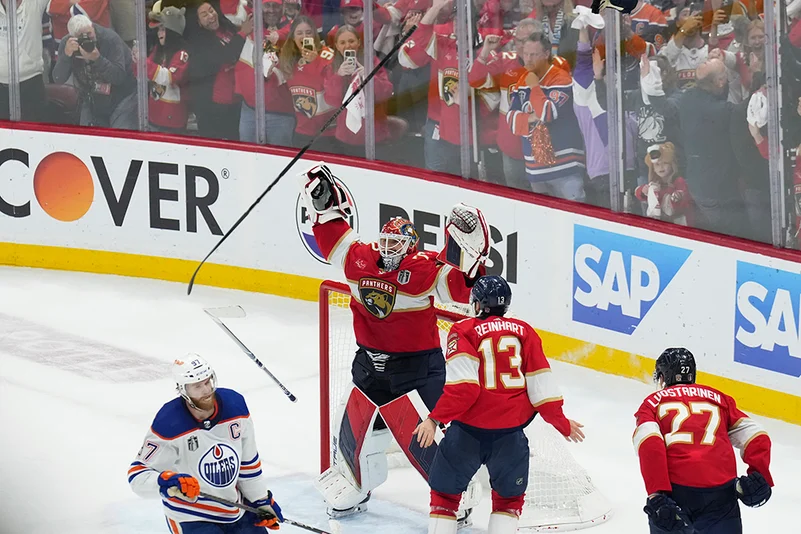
(69, 435)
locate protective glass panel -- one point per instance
(788, 37)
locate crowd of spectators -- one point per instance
(693, 86)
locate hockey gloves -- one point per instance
(624, 6)
(325, 199)
(180, 485)
(466, 240)
(753, 490)
(270, 513)
(666, 515)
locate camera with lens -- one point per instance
(86, 42)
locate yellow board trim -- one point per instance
(751, 398)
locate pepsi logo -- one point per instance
(219, 466)
(303, 222)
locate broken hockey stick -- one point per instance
(237, 312)
(330, 121)
(336, 528)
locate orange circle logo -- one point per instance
(63, 187)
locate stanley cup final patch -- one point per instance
(377, 296)
(404, 276)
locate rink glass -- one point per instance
(752, 196)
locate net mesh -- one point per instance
(560, 493)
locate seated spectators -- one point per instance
(302, 61)
(214, 46)
(101, 67)
(167, 70)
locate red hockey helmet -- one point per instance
(396, 239)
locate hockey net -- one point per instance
(560, 494)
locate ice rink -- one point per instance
(84, 368)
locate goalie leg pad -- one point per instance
(401, 417)
(501, 523)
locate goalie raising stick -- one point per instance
(399, 369)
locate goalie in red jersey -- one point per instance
(399, 369)
(498, 379)
(684, 438)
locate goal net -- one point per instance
(560, 494)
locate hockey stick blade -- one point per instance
(226, 312)
(329, 122)
(238, 314)
(264, 515)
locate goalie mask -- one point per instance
(396, 239)
(192, 370)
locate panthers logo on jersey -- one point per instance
(305, 100)
(449, 83)
(377, 296)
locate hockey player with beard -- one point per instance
(399, 369)
(203, 441)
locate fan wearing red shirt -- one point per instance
(496, 380)
(684, 438)
(303, 62)
(353, 15)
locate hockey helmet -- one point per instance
(491, 295)
(676, 365)
(191, 370)
(396, 239)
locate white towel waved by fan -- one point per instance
(356, 109)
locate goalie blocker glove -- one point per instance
(624, 6)
(666, 515)
(753, 490)
(326, 200)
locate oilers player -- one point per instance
(203, 441)
(684, 438)
(398, 371)
(498, 379)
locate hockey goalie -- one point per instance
(399, 370)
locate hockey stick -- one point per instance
(336, 528)
(398, 45)
(237, 312)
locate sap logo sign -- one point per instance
(768, 318)
(617, 278)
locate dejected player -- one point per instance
(684, 438)
(203, 441)
(498, 379)
(399, 370)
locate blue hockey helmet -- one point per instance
(676, 365)
(492, 294)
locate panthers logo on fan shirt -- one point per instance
(377, 296)
(449, 82)
(305, 100)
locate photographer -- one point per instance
(100, 64)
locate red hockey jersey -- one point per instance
(306, 86)
(685, 435)
(61, 11)
(167, 103)
(439, 49)
(497, 377)
(393, 311)
(501, 71)
(276, 94)
(381, 16)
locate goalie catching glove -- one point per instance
(269, 512)
(325, 198)
(466, 240)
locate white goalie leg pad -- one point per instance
(441, 525)
(502, 523)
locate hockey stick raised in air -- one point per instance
(236, 312)
(329, 122)
(336, 528)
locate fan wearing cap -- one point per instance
(279, 117)
(353, 15)
(203, 442)
(167, 70)
(666, 193)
